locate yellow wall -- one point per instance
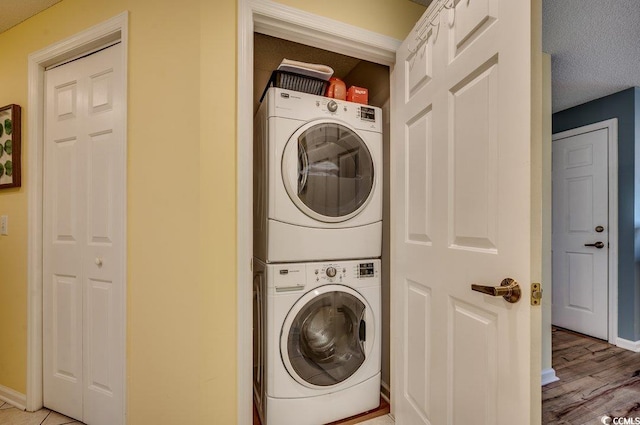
(181, 307)
(394, 18)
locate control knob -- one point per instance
(332, 106)
(331, 271)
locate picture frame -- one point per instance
(10, 138)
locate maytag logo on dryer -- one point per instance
(286, 95)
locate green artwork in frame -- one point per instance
(10, 127)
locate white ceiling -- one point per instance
(594, 47)
(12, 12)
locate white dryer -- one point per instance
(316, 340)
(317, 178)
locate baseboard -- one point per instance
(385, 391)
(628, 345)
(13, 397)
(549, 376)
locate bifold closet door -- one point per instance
(83, 245)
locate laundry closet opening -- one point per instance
(268, 54)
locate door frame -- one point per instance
(277, 20)
(76, 46)
(611, 125)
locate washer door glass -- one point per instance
(325, 344)
(335, 170)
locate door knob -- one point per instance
(99, 262)
(508, 289)
(598, 244)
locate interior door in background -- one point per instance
(84, 169)
(461, 215)
(581, 231)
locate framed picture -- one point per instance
(10, 146)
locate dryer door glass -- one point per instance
(335, 170)
(325, 344)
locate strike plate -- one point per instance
(536, 294)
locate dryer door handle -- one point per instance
(304, 158)
(362, 331)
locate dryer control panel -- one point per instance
(306, 107)
(367, 116)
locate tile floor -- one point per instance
(11, 415)
(381, 420)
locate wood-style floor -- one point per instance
(596, 379)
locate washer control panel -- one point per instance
(300, 277)
(366, 270)
(329, 273)
(345, 271)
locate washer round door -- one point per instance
(328, 171)
(327, 336)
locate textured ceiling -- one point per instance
(594, 47)
(12, 12)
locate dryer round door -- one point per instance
(327, 336)
(328, 171)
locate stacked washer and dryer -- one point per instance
(316, 267)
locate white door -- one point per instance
(581, 231)
(83, 242)
(461, 215)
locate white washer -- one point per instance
(317, 178)
(316, 340)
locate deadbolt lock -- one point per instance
(536, 294)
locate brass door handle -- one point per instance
(598, 244)
(508, 289)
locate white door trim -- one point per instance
(86, 41)
(612, 128)
(285, 22)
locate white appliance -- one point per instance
(317, 178)
(316, 340)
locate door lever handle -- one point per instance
(508, 289)
(598, 244)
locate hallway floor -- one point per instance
(11, 416)
(596, 379)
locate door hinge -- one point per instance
(536, 294)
